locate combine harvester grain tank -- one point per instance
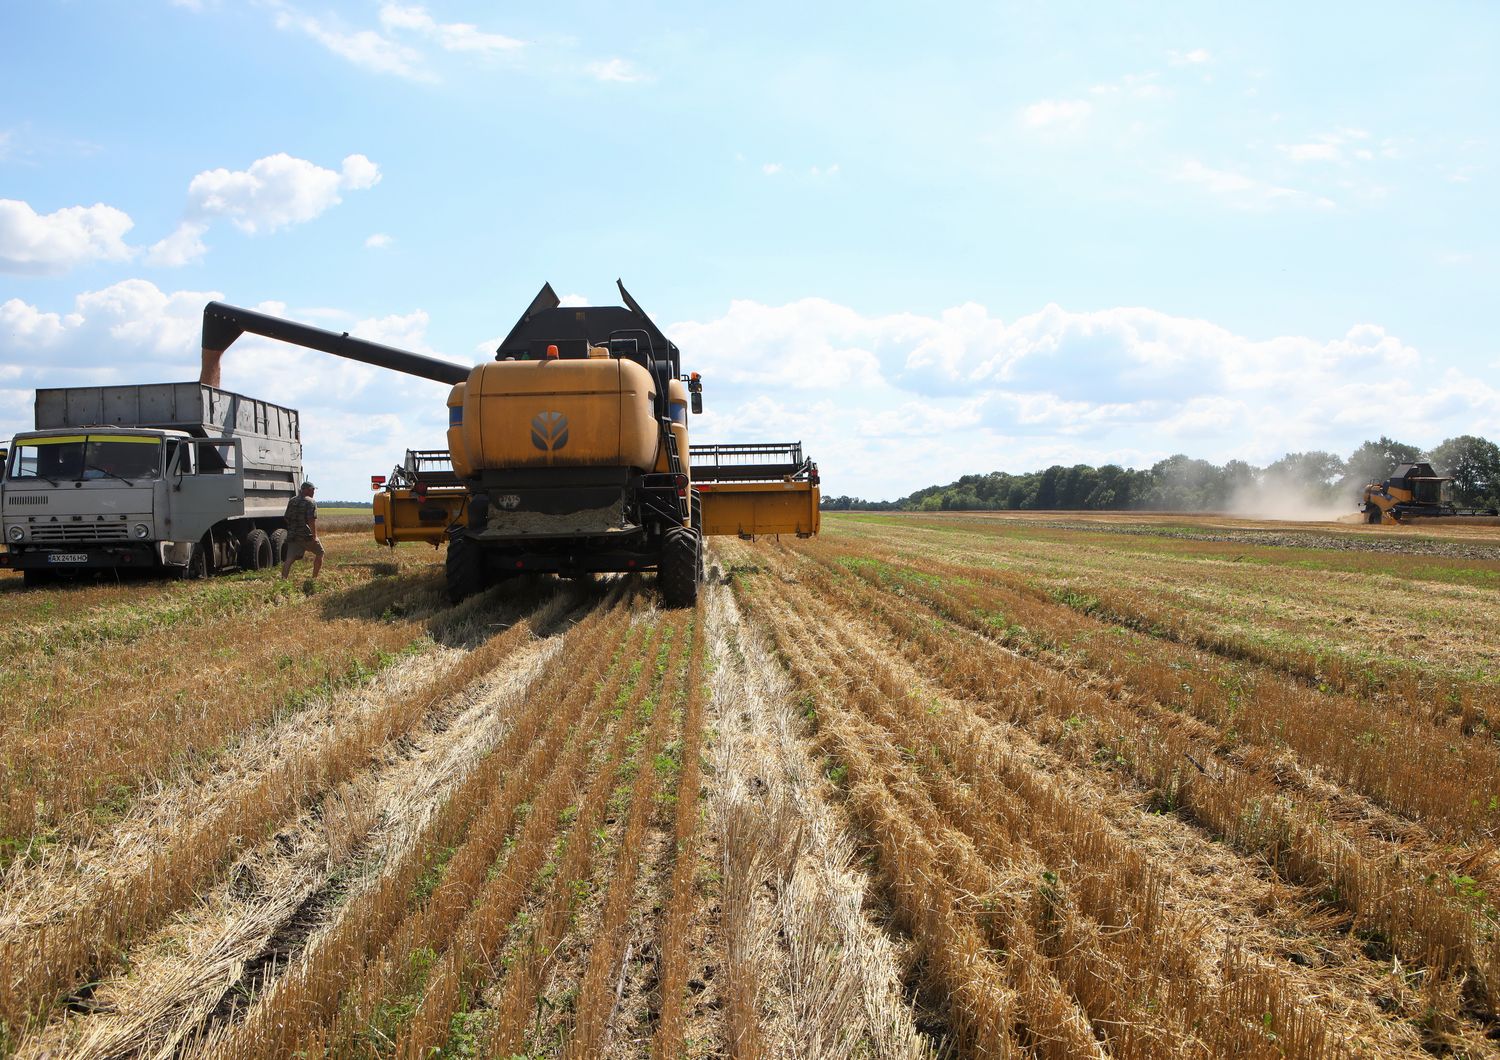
(568, 453)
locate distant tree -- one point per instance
(1474, 464)
(1181, 484)
(1316, 473)
(1374, 462)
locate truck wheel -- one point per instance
(34, 579)
(256, 552)
(679, 571)
(278, 547)
(463, 569)
(197, 565)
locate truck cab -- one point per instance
(180, 495)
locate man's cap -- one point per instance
(308, 486)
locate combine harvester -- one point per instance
(567, 454)
(1416, 493)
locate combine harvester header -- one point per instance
(568, 453)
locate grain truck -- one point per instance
(176, 477)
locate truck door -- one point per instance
(207, 485)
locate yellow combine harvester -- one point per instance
(568, 453)
(1416, 493)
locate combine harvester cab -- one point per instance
(1416, 493)
(568, 453)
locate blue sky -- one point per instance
(928, 242)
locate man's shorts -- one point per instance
(296, 549)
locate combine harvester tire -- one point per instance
(681, 568)
(463, 568)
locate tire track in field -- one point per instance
(792, 911)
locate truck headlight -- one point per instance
(15, 533)
(141, 530)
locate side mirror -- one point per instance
(696, 400)
(695, 392)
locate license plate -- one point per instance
(68, 557)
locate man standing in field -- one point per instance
(302, 531)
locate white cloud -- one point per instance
(566, 300)
(1338, 146)
(276, 191)
(618, 70)
(364, 48)
(770, 169)
(1134, 86)
(1128, 385)
(377, 241)
(825, 171)
(1196, 57)
(183, 247)
(1246, 192)
(48, 244)
(1056, 114)
(451, 36)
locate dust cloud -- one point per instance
(1274, 496)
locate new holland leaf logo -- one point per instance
(549, 431)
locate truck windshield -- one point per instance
(76, 457)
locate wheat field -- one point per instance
(989, 786)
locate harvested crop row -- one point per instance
(1311, 610)
(800, 967)
(498, 893)
(1185, 606)
(673, 937)
(1405, 763)
(100, 725)
(85, 937)
(541, 959)
(1424, 925)
(598, 993)
(302, 1008)
(1145, 976)
(258, 916)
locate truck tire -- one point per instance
(680, 569)
(463, 569)
(256, 552)
(198, 564)
(278, 547)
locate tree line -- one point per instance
(1181, 483)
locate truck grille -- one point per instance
(46, 533)
(19, 499)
